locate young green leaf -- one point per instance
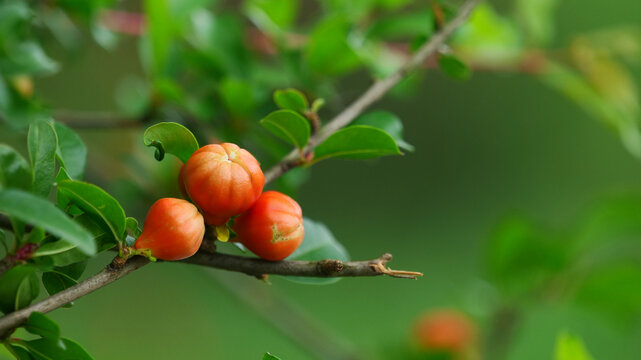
(39, 324)
(288, 126)
(132, 225)
(18, 287)
(357, 142)
(171, 138)
(71, 151)
(41, 213)
(48, 349)
(453, 67)
(291, 99)
(56, 282)
(95, 201)
(387, 122)
(14, 169)
(42, 143)
(319, 243)
(570, 347)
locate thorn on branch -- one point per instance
(379, 266)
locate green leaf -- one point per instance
(95, 201)
(453, 67)
(319, 244)
(291, 99)
(570, 347)
(357, 142)
(21, 353)
(52, 248)
(48, 349)
(387, 122)
(268, 356)
(41, 213)
(39, 324)
(55, 281)
(18, 287)
(14, 170)
(288, 126)
(71, 151)
(171, 138)
(42, 142)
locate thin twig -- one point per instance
(377, 90)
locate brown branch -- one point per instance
(377, 90)
(249, 266)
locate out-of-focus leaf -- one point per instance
(18, 287)
(55, 349)
(96, 202)
(13, 13)
(537, 18)
(288, 126)
(319, 243)
(328, 50)
(453, 67)
(171, 138)
(609, 290)
(41, 213)
(357, 142)
(39, 324)
(238, 97)
(29, 58)
(569, 347)
(71, 151)
(575, 87)
(488, 38)
(161, 32)
(14, 170)
(272, 16)
(291, 99)
(402, 26)
(521, 257)
(387, 122)
(43, 143)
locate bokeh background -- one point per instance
(499, 146)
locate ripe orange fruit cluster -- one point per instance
(223, 181)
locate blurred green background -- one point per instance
(496, 146)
